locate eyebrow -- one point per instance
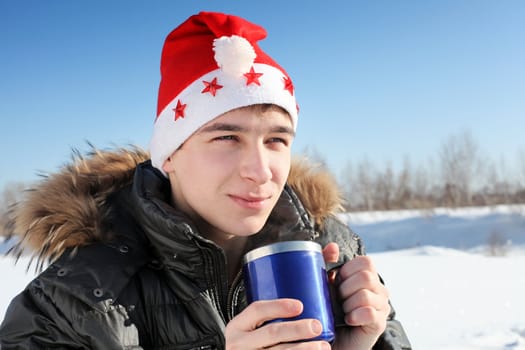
(234, 127)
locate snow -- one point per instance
(465, 228)
(448, 299)
(448, 292)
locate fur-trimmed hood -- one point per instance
(65, 209)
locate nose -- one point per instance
(255, 165)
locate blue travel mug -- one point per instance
(292, 269)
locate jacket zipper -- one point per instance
(218, 284)
(232, 292)
(223, 297)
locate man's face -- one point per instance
(229, 175)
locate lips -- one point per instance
(250, 202)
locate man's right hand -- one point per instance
(245, 332)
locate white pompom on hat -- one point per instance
(210, 65)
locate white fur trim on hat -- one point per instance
(169, 134)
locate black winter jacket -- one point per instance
(127, 271)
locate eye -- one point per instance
(278, 140)
(225, 138)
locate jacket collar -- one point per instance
(67, 209)
(176, 240)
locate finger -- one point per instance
(368, 317)
(331, 252)
(359, 263)
(310, 345)
(331, 255)
(262, 311)
(365, 298)
(275, 333)
(361, 280)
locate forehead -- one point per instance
(252, 116)
(258, 109)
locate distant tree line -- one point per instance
(462, 176)
(12, 193)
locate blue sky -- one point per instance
(383, 80)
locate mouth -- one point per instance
(250, 202)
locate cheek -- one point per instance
(281, 169)
(203, 176)
(206, 164)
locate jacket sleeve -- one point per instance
(350, 244)
(32, 321)
(46, 316)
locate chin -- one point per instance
(250, 227)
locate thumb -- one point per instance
(331, 255)
(331, 252)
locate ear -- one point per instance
(168, 165)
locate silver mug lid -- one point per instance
(281, 247)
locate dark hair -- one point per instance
(265, 107)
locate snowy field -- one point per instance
(448, 292)
(453, 300)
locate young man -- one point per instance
(146, 254)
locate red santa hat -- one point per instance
(210, 65)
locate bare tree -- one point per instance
(404, 192)
(313, 154)
(11, 193)
(521, 171)
(384, 188)
(365, 184)
(459, 163)
(498, 188)
(421, 185)
(347, 179)
(520, 191)
(460, 177)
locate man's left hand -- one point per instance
(364, 301)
